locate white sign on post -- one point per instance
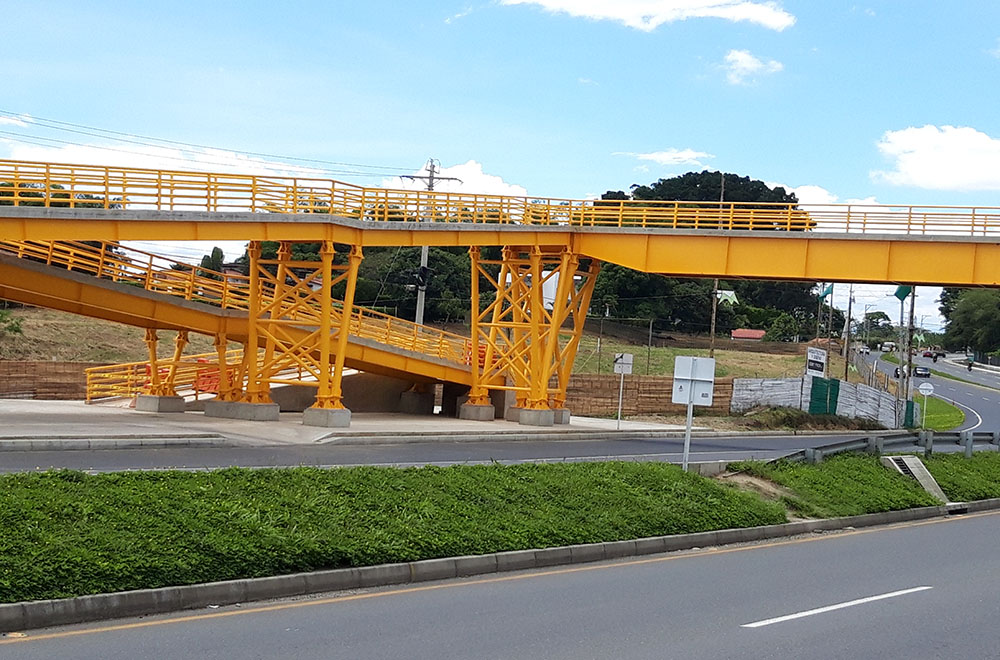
(816, 362)
(623, 365)
(694, 380)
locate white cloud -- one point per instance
(670, 156)
(462, 14)
(647, 15)
(743, 68)
(995, 52)
(473, 181)
(941, 158)
(586, 81)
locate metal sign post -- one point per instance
(694, 382)
(926, 389)
(623, 365)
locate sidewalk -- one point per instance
(29, 424)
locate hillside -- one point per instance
(51, 335)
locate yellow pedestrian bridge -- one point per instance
(292, 329)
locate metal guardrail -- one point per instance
(51, 185)
(877, 443)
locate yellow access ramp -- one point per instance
(108, 281)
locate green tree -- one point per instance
(784, 328)
(975, 321)
(685, 304)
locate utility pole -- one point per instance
(847, 332)
(715, 283)
(424, 274)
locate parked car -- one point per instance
(921, 372)
(929, 354)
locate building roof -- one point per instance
(746, 333)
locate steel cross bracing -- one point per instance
(293, 330)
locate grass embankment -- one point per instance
(67, 533)
(843, 485)
(967, 479)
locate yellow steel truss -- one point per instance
(521, 335)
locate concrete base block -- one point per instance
(254, 412)
(334, 418)
(159, 404)
(416, 403)
(479, 413)
(531, 417)
(512, 414)
(562, 415)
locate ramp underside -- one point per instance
(36, 284)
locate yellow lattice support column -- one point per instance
(157, 385)
(160, 397)
(579, 304)
(538, 393)
(324, 397)
(228, 389)
(329, 410)
(257, 388)
(478, 406)
(180, 342)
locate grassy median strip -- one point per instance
(843, 485)
(68, 533)
(967, 479)
(941, 415)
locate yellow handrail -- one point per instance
(27, 183)
(230, 291)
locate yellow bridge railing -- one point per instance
(198, 374)
(152, 272)
(24, 183)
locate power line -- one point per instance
(55, 124)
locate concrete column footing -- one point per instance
(477, 412)
(536, 417)
(562, 415)
(254, 412)
(159, 404)
(334, 418)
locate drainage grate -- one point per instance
(901, 465)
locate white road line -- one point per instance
(830, 608)
(978, 424)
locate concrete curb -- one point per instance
(97, 607)
(133, 441)
(567, 435)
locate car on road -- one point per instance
(921, 372)
(929, 354)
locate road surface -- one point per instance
(913, 591)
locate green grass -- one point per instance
(67, 533)
(941, 415)
(843, 485)
(967, 479)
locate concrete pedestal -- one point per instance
(562, 415)
(254, 412)
(532, 417)
(159, 404)
(479, 413)
(416, 403)
(512, 414)
(333, 418)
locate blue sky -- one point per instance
(889, 101)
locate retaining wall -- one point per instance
(29, 379)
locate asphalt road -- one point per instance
(924, 590)
(979, 401)
(437, 453)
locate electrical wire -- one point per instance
(144, 140)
